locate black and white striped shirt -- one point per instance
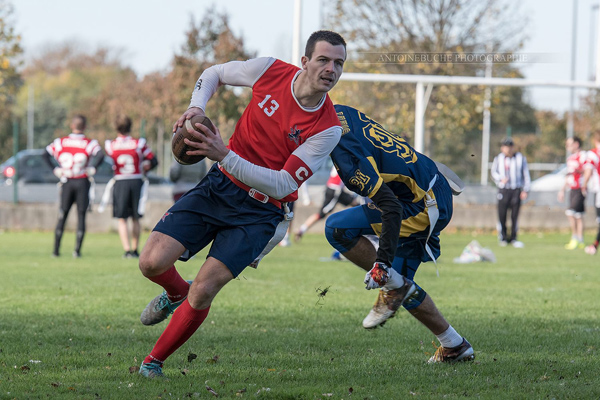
(514, 168)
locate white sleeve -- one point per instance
(234, 73)
(279, 184)
(494, 171)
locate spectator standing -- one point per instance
(573, 182)
(511, 175)
(132, 159)
(78, 157)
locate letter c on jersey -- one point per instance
(301, 173)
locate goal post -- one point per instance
(422, 97)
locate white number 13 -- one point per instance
(269, 111)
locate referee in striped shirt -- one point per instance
(511, 174)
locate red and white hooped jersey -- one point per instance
(73, 153)
(128, 154)
(575, 165)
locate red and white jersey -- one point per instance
(334, 182)
(73, 153)
(575, 165)
(275, 133)
(128, 154)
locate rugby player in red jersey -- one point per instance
(132, 159)
(285, 134)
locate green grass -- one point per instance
(69, 328)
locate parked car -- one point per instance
(551, 182)
(33, 169)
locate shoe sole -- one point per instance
(409, 293)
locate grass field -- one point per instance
(69, 328)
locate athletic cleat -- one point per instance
(464, 352)
(134, 254)
(388, 302)
(76, 254)
(151, 370)
(517, 244)
(159, 309)
(572, 245)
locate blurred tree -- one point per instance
(71, 79)
(207, 42)
(428, 37)
(10, 79)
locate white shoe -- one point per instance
(388, 302)
(502, 243)
(518, 244)
(591, 250)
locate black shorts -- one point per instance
(576, 202)
(126, 198)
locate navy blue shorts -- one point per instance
(219, 211)
(366, 220)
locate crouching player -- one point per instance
(412, 203)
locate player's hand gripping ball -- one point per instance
(178, 146)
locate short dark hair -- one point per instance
(507, 142)
(333, 38)
(577, 140)
(79, 122)
(123, 124)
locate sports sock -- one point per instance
(175, 286)
(184, 322)
(449, 338)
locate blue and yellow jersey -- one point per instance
(368, 155)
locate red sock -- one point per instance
(175, 286)
(184, 322)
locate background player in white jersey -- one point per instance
(132, 159)
(573, 182)
(74, 155)
(285, 134)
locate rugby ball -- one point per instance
(178, 146)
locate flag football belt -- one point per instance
(255, 194)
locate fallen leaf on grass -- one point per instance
(184, 371)
(350, 390)
(133, 370)
(212, 360)
(55, 384)
(327, 394)
(192, 357)
(241, 391)
(212, 391)
(25, 368)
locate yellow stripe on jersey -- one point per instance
(409, 182)
(410, 225)
(379, 180)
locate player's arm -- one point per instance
(234, 73)
(300, 166)
(360, 174)
(495, 171)
(526, 175)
